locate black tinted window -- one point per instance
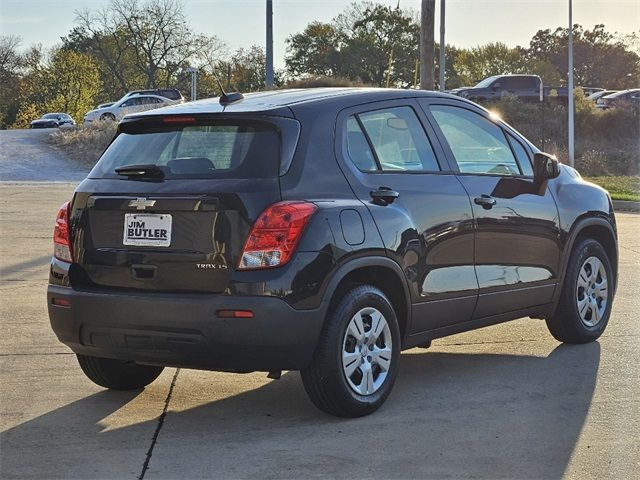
(239, 150)
(478, 145)
(519, 83)
(399, 140)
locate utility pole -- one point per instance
(194, 82)
(427, 44)
(269, 59)
(571, 144)
(442, 65)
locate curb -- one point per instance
(626, 206)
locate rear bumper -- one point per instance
(183, 330)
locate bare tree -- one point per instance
(427, 45)
(143, 43)
(10, 60)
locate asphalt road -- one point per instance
(503, 402)
(25, 155)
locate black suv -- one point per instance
(324, 231)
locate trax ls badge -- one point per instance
(142, 203)
(207, 266)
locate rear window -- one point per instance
(213, 150)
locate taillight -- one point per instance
(275, 235)
(62, 234)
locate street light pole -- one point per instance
(571, 144)
(194, 82)
(269, 60)
(442, 65)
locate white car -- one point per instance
(126, 105)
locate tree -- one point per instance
(71, 83)
(368, 43)
(66, 81)
(491, 59)
(140, 43)
(599, 58)
(11, 64)
(382, 47)
(314, 51)
(247, 68)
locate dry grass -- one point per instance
(85, 143)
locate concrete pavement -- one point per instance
(503, 402)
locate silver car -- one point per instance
(126, 105)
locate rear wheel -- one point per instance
(118, 374)
(587, 293)
(356, 361)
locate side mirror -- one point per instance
(496, 86)
(545, 167)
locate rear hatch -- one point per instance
(170, 203)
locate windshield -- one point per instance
(486, 82)
(51, 115)
(239, 149)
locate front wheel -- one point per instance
(356, 360)
(587, 294)
(118, 374)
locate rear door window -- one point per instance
(392, 140)
(222, 150)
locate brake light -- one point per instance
(178, 119)
(275, 235)
(62, 234)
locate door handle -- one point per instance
(383, 196)
(485, 201)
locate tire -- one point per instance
(108, 117)
(581, 316)
(118, 374)
(373, 368)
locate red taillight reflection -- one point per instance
(62, 234)
(235, 313)
(275, 235)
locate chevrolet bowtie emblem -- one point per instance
(142, 203)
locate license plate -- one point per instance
(147, 230)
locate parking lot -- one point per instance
(503, 402)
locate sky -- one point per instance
(240, 23)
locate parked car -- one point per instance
(591, 90)
(126, 105)
(525, 87)
(170, 93)
(622, 99)
(321, 230)
(594, 97)
(52, 120)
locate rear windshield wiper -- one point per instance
(140, 171)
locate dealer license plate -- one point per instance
(147, 230)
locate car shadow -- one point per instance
(450, 415)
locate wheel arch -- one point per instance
(380, 272)
(596, 228)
